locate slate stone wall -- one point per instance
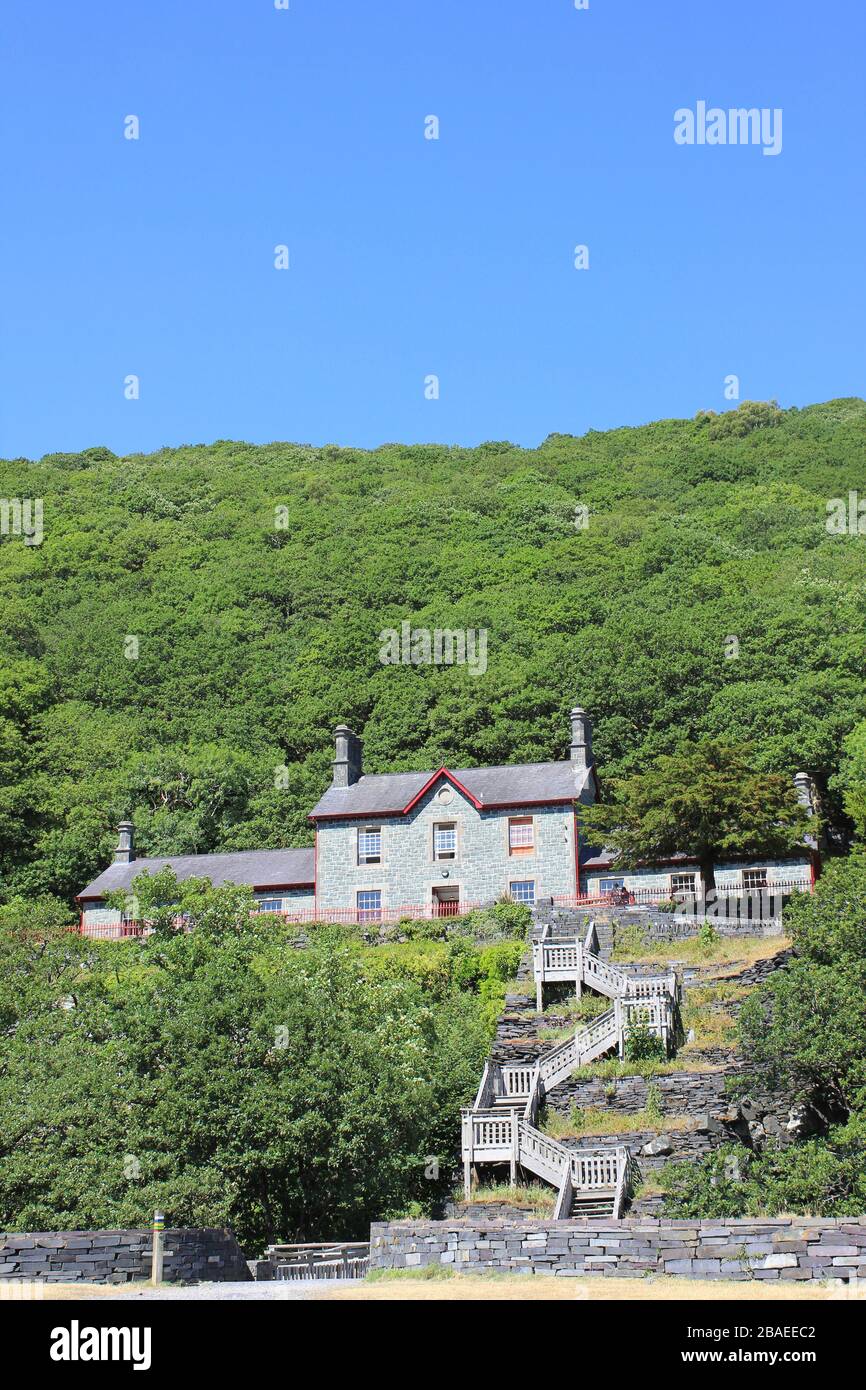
(115, 1257)
(778, 1249)
(680, 1093)
(682, 1145)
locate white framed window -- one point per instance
(369, 901)
(755, 878)
(521, 835)
(269, 904)
(610, 885)
(522, 890)
(370, 845)
(445, 840)
(682, 883)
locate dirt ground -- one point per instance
(504, 1288)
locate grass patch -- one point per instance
(533, 1196)
(726, 993)
(704, 1011)
(648, 1187)
(521, 987)
(612, 1069)
(587, 1007)
(555, 1035)
(578, 1124)
(712, 1028)
(577, 1011)
(386, 1276)
(631, 944)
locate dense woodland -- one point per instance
(230, 1078)
(256, 580)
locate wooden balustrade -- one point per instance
(592, 1169)
(565, 1196)
(484, 1097)
(336, 1260)
(516, 1080)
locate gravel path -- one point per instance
(270, 1292)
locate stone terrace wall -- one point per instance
(115, 1257)
(680, 1093)
(778, 1249)
(679, 1145)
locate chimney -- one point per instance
(805, 789)
(581, 738)
(803, 785)
(125, 851)
(347, 763)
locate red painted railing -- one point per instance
(354, 917)
(627, 897)
(113, 931)
(344, 916)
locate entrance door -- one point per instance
(446, 901)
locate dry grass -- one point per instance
(716, 1029)
(534, 1196)
(748, 952)
(704, 1011)
(612, 1069)
(536, 1288)
(575, 1011)
(399, 1286)
(728, 951)
(524, 988)
(581, 1123)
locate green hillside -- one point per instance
(258, 628)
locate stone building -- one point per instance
(438, 842)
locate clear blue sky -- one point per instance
(410, 256)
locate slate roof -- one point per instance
(592, 857)
(255, 868)
(392, 793)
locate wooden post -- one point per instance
(515, 1142)
(158, 1229)
(579, 980)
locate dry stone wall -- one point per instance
(779, 1250)
(679, 1093)
(114, 1257)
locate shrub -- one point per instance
(653, 1106)
(643, 1046)
(816, 1177)
(629, 941)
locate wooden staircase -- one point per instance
(500, 1125)
(556, 960)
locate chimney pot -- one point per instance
(581, 737)
(125, 851)
(348, 757)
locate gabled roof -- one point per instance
(396, 793)
(255, 868)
